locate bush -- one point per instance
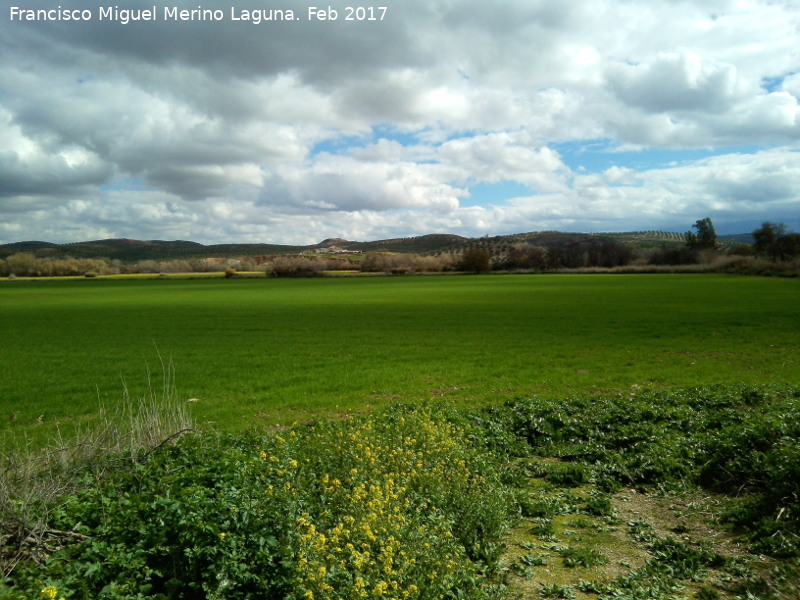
(34, 483)
(476, 260)
(527, 256)
(674, 256)
(297, 266)
(738, 440)
(397, 264)
(399, 504)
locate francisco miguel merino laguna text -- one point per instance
(173, 13)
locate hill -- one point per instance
(127, 250)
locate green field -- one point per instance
(258, 352)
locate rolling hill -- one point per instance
(127, 250)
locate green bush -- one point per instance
(738, 440)
(400, 504)
(582, 557)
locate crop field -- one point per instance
(260, 352)
(460, 437)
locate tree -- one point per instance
(775, 241)
(527, 256)
(789, 246)
(23, 264)
(705, 238)
(476, 260)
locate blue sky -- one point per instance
(455, 116)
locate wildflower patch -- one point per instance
(399, 505)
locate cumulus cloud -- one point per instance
(505, 157)
(41, 167)
(676, 82)
(344, 183)
(296, 131)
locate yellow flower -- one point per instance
(380, 589)
(222, 536)
(49, 593)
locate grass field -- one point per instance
(259, 352)
(684, 490)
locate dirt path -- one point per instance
(576, 542)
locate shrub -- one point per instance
(527, 256)
(34, 483)
(476, 260)
(582, 557)
(739, 440)
(376, 262)
(568, 475)
(297, 266)
(399, 504)
(674, 256)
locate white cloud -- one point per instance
(210, 131)
(676, 82)
(334, 182)
(504, 157)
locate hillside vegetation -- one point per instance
(134, 250)
(771, 250)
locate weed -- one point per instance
(707, 593)
(569, 475)
(545, 508)
(396, 504)
(582, 557)
(524, 571)
(543, 528)
(589, 587)
(557, 591)
(34, 481)
(599, 504)
(683, 560)
(681, 528)
(532, 560)
(583, 522)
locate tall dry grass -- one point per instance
(36, 479)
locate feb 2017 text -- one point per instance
(255, 16)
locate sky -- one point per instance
(437, 116)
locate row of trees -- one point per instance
(771, 241)
(25, 264)
(776, 242)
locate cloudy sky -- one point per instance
(446, 116)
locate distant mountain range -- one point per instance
(127, 250)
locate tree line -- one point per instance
(772, 242)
